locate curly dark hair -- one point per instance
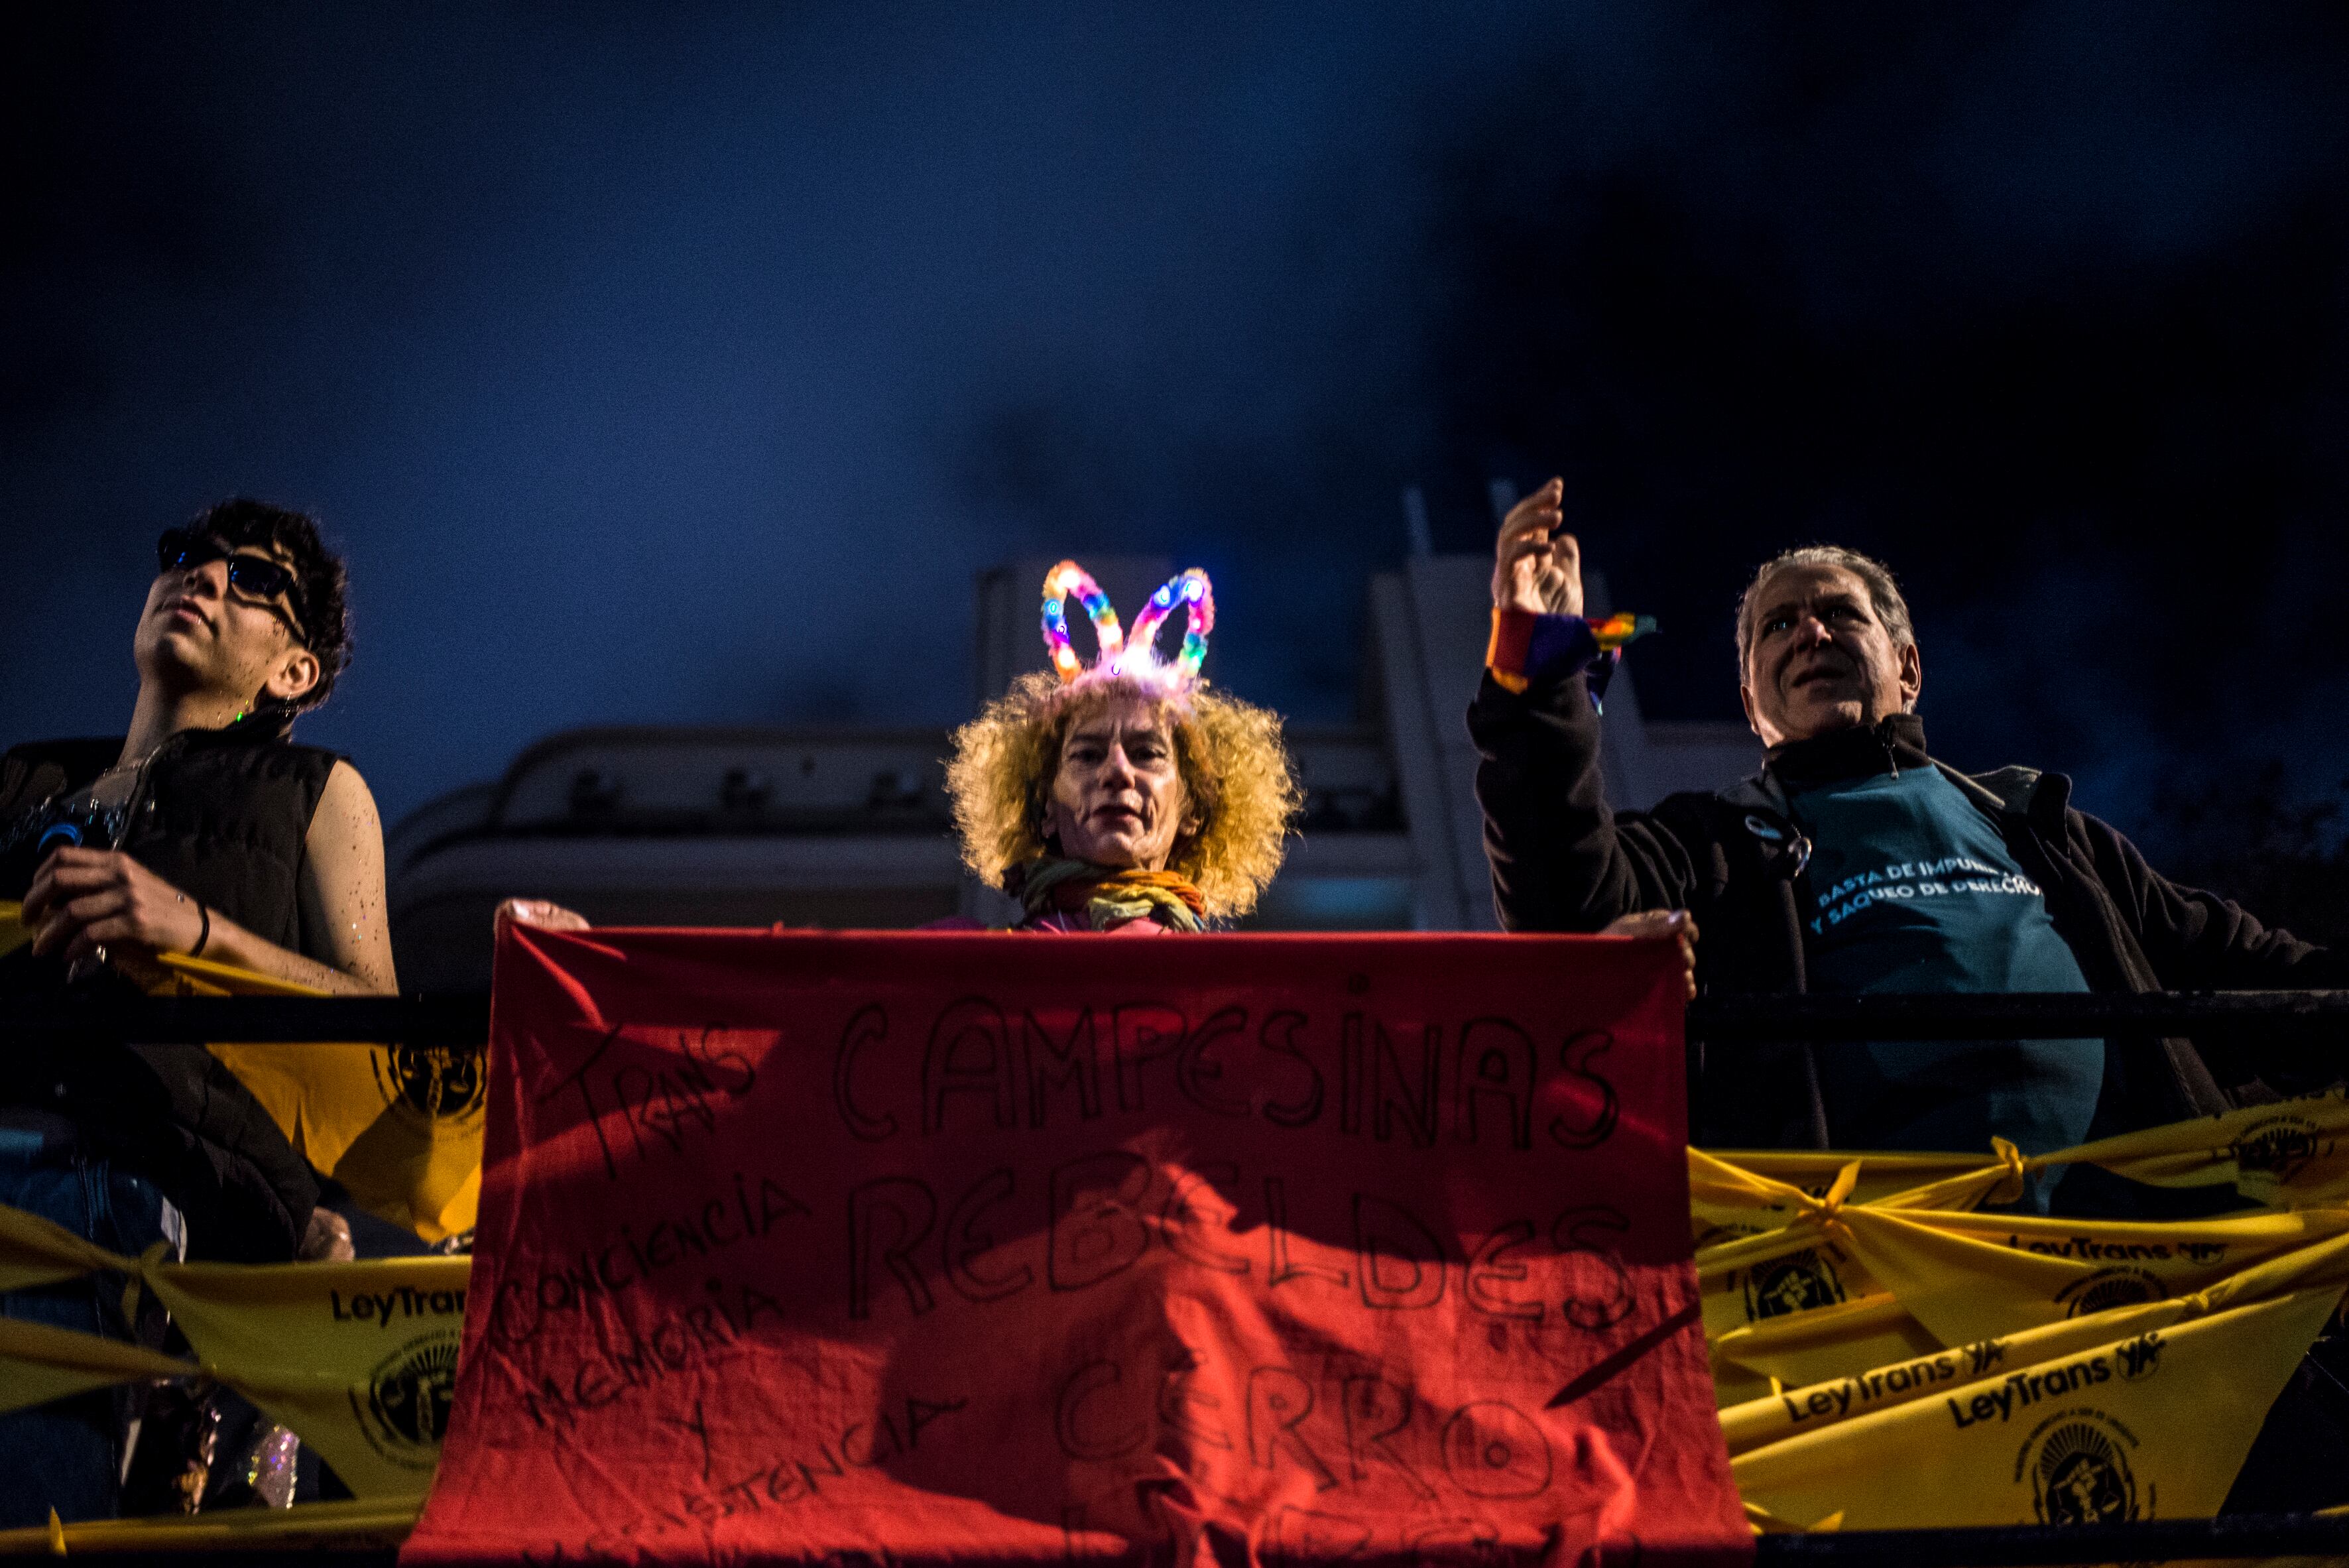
(320, 583)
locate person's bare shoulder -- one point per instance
(344, 879)
(347, 803)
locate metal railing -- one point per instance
(2246, 1535)
(1997, 1546)
(462, 1020)
(2043, 1015)
(414, 1020)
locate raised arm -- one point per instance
(1561, 859)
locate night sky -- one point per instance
(669, 364)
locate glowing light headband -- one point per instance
(1137, 656)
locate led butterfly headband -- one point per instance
(1119, 655)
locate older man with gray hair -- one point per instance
(1855, 862)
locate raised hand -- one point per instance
(1652, 924)
(541, 912)
(82, 899)
(1536, 568)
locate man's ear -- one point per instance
(1745, 700)
(297, 671)
(1912, 676)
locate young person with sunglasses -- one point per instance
(204, 830)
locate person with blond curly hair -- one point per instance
(1128, 797)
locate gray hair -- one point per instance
(1883, 592)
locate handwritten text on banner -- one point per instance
(1026, 1248)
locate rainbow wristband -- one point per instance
(1526, 647)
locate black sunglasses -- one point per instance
(257, 576)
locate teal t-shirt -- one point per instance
(1913, 889)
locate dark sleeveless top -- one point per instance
(222, 816)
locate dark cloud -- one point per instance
(2044, 304)
(685, 365)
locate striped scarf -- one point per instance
(1107, 898)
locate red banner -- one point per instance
(982, 1247)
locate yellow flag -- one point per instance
(1799, 1270)
(1846, 1285)
(359, 1358)
(36, 1252)
(1799, 1267)
(1873, 1331)
(1815, 1407)
(1966, 1276)
(1799, 1408)
(1723, 1206)
(2293, 1154)
(40, 1362)
(1979, 1277)
(2152, 1426)
(399, 1127)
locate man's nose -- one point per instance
(209, 578)
(1116, 766)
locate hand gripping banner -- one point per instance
(1015, 1249)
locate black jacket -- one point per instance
(223, 815)
(1563, 861)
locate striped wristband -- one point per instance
(1526, 647)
